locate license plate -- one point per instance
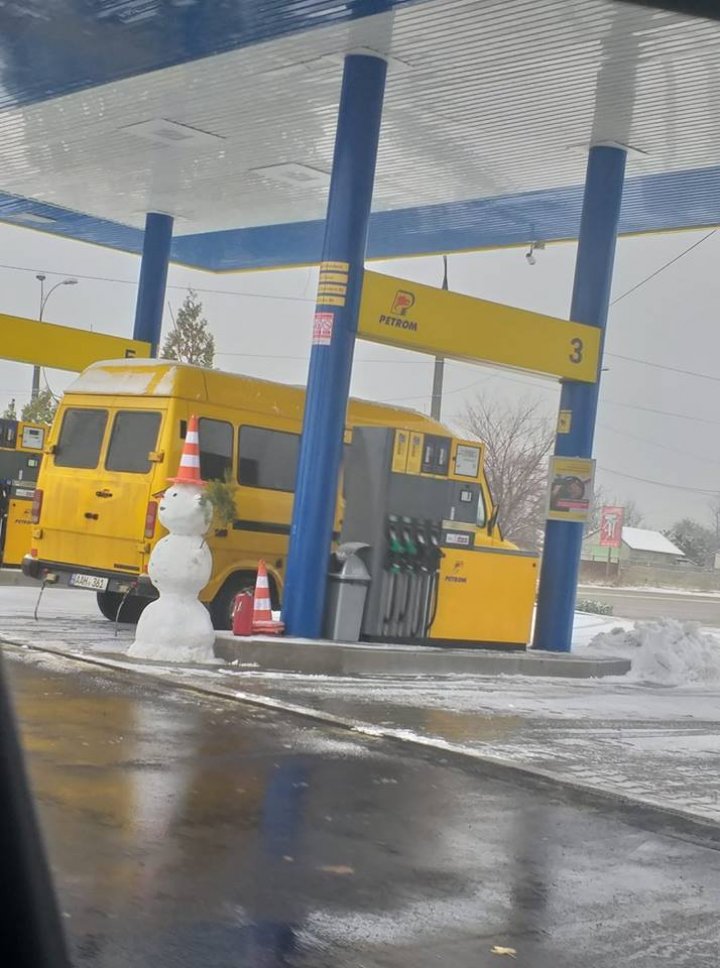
(89, 581)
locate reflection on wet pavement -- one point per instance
(654, 743)
(186, 831)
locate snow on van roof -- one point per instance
(151, 377)
(137, 377)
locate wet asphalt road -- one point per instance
(189, 833)
(641, 604)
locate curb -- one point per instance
(361, 659)
(14, 578)
(647, 812)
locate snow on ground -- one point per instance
(651, 589)
(587, 627)
(653, 734)
(664, 652)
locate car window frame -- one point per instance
(131, 412)
(231, 459)
(58, 450)
(270, 430)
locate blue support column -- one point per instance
(335, 327)
(153, 278)
(590, 300)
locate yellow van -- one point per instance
(117, 438)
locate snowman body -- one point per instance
(177, 627)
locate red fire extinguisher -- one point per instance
(242, 613)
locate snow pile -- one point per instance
(665, 652)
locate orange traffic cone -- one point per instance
(263, 621)
(189, 469)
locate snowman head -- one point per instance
(184, 510)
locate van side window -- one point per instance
(216, 448)
(81, 437)
(268, 458)
(133, 436)
(482, 517)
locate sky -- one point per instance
(658, 432)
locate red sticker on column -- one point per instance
(323, 328)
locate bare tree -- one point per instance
(518, 441)
(632, 515)
(714, 508)
(599, 501)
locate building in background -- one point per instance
(638, 546)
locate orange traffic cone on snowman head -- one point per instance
(189, 469)
(263, 620)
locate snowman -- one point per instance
(177, 627)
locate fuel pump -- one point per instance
(438, 575)
(399, 514)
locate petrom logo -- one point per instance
(456, 576)
(403, 301)
(397, 317)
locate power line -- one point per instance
(662, 366)
(134, 282)
(642, 282)
(426, 396)
(662, 413)
(673, 487)
(655, 443)
(306, 358)
(663, 267)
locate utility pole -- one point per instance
(43, 302)
(439, 372)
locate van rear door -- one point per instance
(97, 489)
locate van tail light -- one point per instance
(150, 519)
(36, 506)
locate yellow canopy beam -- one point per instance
(416, 317)
(61, 347)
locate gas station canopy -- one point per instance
(222, 114)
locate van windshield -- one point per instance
(81, 438)
(134, 435)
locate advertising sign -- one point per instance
(571, 488)
(323, 329)
(611, 525)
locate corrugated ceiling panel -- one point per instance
(487, 100)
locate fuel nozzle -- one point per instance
(423, 547)
(395, 546)
(435, 552)
(410, 544)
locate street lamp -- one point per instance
(44, 296)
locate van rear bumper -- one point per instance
(60, 573)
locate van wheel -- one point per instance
(109, 603)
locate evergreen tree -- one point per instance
(10, 411)
(41, 409)
(695, 540)
(190, 340)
